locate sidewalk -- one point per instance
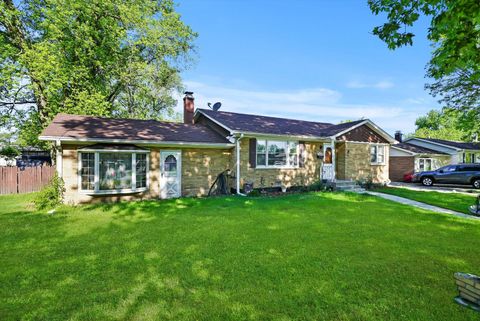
(424, 206)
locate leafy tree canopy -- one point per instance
(455, 35)
(119, 58)
(441, 125)
(9, 151)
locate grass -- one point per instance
(329, 256)
(452, 201)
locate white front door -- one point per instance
(170, 174)
(327, 167)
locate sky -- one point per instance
(305, 59)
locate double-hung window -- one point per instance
(425, 164)
(470, 157)
(103, 171)
(277, 154)
(377, 154)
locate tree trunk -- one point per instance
(16, 31)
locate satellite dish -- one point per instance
(215, 106)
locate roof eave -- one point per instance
(404, 150)
(198, 111)
(137, 142)
(280, 136)
(435, 143)
(372, 125)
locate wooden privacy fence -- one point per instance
(15, 180)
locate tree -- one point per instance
(441, 125)
(455, 35)
(9, 152)
(103, 57)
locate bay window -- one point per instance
(277, 154)
(377, 154)
(102, 171)
(141, 170)
(87, 171)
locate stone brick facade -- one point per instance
(353, 163)
(200, 167)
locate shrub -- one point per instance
(254, 193)
(368, 184)
(51, 195)
(317, 186)
(9, 151)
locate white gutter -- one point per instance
(434, 143)
(238, 164)
(136, 142)
(286, 137)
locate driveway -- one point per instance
(465, 189)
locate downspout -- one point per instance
(59, 158)
(238, 164)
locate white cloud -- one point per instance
(315, 104)
(384, 84)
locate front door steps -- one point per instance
(348, 186)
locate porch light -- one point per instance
(320, 155)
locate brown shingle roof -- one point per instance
(275, 125)
(81, 127)
(417, 149)
(461, 145)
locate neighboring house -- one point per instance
(33, 156)
(113, 159)
(424, 154)
(29, 156)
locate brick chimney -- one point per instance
(188, 107)
(399, 136)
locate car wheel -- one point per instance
(427, 181)
(476, 183)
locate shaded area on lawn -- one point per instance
(452, 201)
(330, 256)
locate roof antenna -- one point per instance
(215, 106)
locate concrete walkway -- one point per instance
(424, 206)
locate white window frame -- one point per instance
(96, 190)
(432, 166)
(287, 165)
(473, 157)
(377, 147)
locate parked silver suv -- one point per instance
(462, 174)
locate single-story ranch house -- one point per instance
(425, 154)
(106, 159)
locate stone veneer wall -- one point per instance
(357, 163)
(341, 161)
(288, 177)
(200, 167)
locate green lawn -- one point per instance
(452, 201)
(326, 256)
